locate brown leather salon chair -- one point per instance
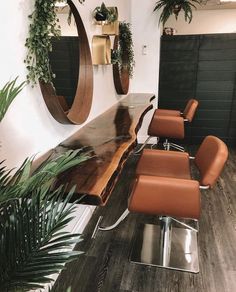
(164, 187)
(169, 124)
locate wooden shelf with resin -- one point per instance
(110, 138)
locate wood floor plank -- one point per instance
(105, 266)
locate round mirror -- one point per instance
(69, 96)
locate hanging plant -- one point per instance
(170, 7)
(44, 25)
(124, 55)
(105, 14)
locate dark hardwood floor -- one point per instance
(105, 265)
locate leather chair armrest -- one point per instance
(167, 126)
(166, 197)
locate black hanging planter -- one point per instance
(100, 17)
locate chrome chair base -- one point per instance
(145, 143)
(167, 145)
(166, 247)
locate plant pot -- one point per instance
(176, 10)
(100, 17)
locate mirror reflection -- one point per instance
(64, 58)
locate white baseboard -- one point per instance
(142, 139)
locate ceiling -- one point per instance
(216, 4)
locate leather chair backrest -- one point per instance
(210, 159)
(190, 109)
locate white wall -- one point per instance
(145, 32)
(67, 29)
(205, 21)
(28, 127)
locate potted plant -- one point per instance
(174, 7)
(33, 243)
(105, 14)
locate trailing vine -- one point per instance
(124, 55)
(44, 25)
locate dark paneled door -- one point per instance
(204, 67)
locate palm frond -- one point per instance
(32, 245)
(23, 182)
(7, 95)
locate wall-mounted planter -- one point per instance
(111, 28)
(101, 50)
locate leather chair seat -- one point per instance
(164, 163)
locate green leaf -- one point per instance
(33, 243)
(7, 94)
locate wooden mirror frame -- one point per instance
(120, 76)
(80, 109)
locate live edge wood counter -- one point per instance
(110, 138)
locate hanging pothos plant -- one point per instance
(44, 25)
(124, 55)
(170, 7)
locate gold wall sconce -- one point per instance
(101, 50)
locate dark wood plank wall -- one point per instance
(204, 67)
(64, 60)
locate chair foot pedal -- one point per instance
(182, 252)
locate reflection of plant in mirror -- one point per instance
(8, 94)
(104, 13)
(124, 55)
(44, 25)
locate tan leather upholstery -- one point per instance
(169, 123)
(166, 126)
(164, 163)
(164, 185)
(210, 159)
(166, 112)
(165, 196)
(190, 109)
